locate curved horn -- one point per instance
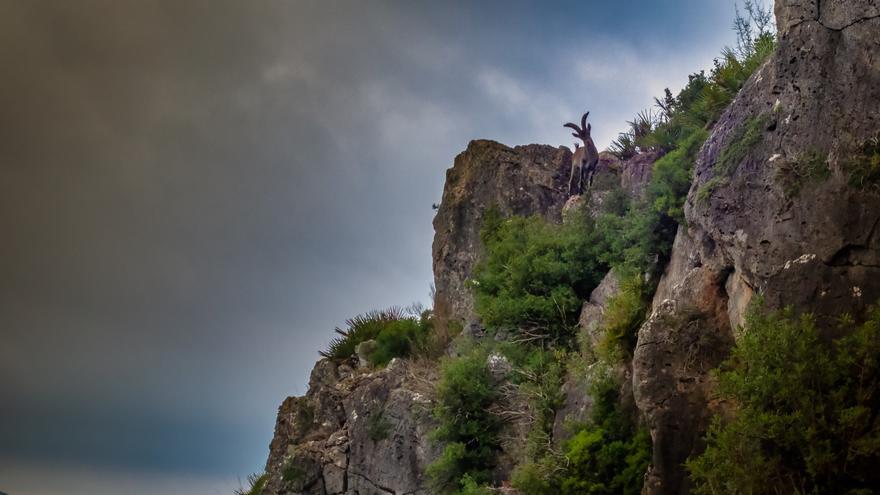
(584, 121)
(578, 130)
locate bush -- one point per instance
(611, 454)
(624, 314)
(397, 339)
(471, 487)
(465, 395)
(536, 274)
(537, 478)
(806, 410)
(360, 329)
(397, 332)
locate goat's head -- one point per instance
(582, 132)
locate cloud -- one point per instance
(64, 479)
(194, 194)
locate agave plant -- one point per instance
(257, 484)
(359, 329)
(635, 139)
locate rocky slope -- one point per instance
(800, 238)
(793, 220)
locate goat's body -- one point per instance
(583, 167)
(584, 160)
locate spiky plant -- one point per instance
(257, 483)
(359, 329)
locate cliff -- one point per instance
(524, 180)
(769, 227)
(781, 206)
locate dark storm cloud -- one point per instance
(192, 194)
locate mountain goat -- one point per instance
(584, 160)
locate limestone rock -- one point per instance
(766, 230)
(374, 441)
(523, 180)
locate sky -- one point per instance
(193, 194)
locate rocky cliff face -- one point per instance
(356, 432)
(793, 219)
(790, 222)
(524, 180)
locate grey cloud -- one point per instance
(193, 194)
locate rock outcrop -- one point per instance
(790, 222)
(524, 180)
(355, 433)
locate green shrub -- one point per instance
(360, 329)
(607, 455)
(671, 176)
(744, 139)
(539, 377)
(397, 333)
(470, 487)
(256, 482)
(610, 454)
(806, 410)
(397, 339)
(465, 395)
(624, 314)
(537, 478)
(535, 274)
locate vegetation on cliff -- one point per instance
(535, 276)
(805, 416)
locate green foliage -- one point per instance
(539, 375)
(624, 315)
(743, 141)
(256, 482)
(378, 427)
(633, 141)
(360, 329)
(609, 455)
(671, 176)
(808, 168)
(465, 395)
(397, 339)
(864, 166)
(536, 274)
(704, 192)
(806, 418)
(684, 120)
(469, 486)
(740, 144)
(539, 477)
(397, 333)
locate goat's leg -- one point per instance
(572, 186)
(591, 173)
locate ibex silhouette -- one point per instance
(584, 160)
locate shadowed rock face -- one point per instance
(770, 228)
(523, 180)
